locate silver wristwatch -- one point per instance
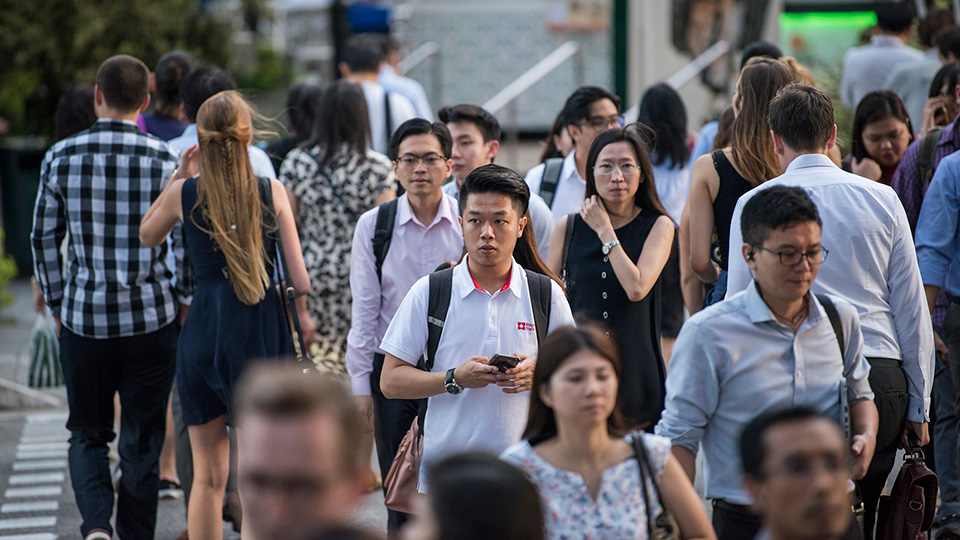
(451, 384)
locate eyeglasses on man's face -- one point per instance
(792, 257)
(602, 122)
(410, 161)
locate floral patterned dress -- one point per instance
(330, 203)
(618, 512)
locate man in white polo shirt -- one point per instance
(472, 405)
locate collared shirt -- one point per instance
(477, 324)
(907, 183)
(540, 214)
(408, 88)
(938, 237)
(734, 360)
(415, 251)
(401, 110)
(872, 264)
(259, 160)
(911, 81)
(97, 185)
(865, 68)
(673, 187)
(570, 189)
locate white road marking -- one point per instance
(40, 465)
(30, 506)
(28, 523)
(40, 478)
(32, 536)
(43, 447)
(41, 491)
(42, 455)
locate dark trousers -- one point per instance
(139, 368)
(889, 384)
(391, 421)
(736, 522)
(951, 336)
(943, 416)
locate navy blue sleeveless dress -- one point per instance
(222, 334)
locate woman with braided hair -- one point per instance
(231, 220)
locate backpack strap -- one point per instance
(834, 317)
(541, 292)
(386, 115)
(550, 179)
(567, 236)
(386, 215)
(441, 284)
(928, 152)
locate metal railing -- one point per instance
(687, 73)
(507, 98)
(428, 51)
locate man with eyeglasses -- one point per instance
(771, 346)
(420, 231)
(873, 265)
(797, 470)
(589, 111)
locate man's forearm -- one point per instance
(400, 380)
(687, 461)
(932, 292)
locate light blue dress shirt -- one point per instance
(734, 360)
(259, 160)
(704, 141)
(938, 241)
(408, 88)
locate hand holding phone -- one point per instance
(503, 362)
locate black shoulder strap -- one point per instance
(928, 152)
(567, 236)
(441, 283)
(386, 114)
(550, 179)
(834, 317)
(386, 214)
(541, 293)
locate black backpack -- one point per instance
(550, 179)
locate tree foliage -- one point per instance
(47, 46)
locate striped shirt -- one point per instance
(96, 186)
(907, 183)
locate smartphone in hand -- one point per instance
(504, 361)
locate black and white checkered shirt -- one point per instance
(97, 185)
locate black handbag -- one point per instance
(288, 302)
(664, 527)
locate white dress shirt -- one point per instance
(415, 251)
(477, 324)
(911, 81)
(259, 160)
(401, 110)
(408, 88)
(734, 360)
(570, 190)
(872, 264)
(673, 187)
(540, 214)
(866, 68)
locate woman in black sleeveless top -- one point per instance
(717, 181)
(619, 243)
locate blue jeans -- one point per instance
(719, 290)
(945, 438)
(139, 368)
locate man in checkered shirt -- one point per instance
(114, 300)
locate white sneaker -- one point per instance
(98, 534)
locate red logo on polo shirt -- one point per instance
(527, 326)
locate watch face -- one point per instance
(453, 388)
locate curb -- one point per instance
(15, 396)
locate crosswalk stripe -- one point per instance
(47, 417)
(52, 437)
(28, 523)
(33, 536)
(43, 447)
(30, 506)
(39, 491)
(39, 478)
(40, 465)
(42, 455)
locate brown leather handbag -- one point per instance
(401, 480)
(907, 513)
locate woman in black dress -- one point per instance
(611, 262)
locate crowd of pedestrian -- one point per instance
(519, 341)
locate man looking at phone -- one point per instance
(472, 405)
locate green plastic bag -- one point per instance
(44, 354)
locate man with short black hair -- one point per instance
(589, 111)
(476, 140)
(198, 86)
(797, 469)
(394, 245)
(361, 61)
(772, 345)
(495, 308)
(302, 464)
(866, 68)
(875, 270)
(114, 303)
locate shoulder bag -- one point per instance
(664, 527)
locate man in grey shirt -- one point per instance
(771, 346)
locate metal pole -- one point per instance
(514, 136)
(436, 81)
(578, 68)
